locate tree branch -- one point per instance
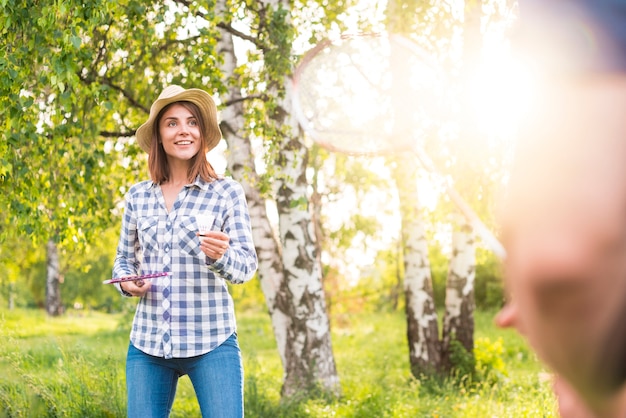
(226, 26)
(243, 99)
(109, 134)
(125, 93)
(165, 46)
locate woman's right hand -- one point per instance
(136, 287)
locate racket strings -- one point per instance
(370, 95)
(365, 95)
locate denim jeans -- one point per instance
(217, 379)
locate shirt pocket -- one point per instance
(147, 228)
(187, 239)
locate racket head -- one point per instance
(135, 277)
(367, 94)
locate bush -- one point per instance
(463, 362)
(488, 287)
(490, 366)
(484, 367)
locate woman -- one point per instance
(194, 225)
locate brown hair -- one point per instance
(157, 159)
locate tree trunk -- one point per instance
(310, 363)
(398, 286)
(459, 317)
(421, 314)
(53, 279)
(11, 296)
(242, 166)
(299, 303)
(420, 310)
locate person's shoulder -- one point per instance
(228, 181)
(221, 182)
(226, 184)
(140, 188)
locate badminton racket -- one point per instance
(135, 277)
(373, 94)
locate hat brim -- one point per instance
(173, 94)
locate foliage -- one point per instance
(463, 362)
(439, 263)
(82, 283)
(485, 367)
(57, 166)
(380, 287)
(350, 239)
(74, 366)
(83, 273)
(490, 365)
(249, 296)
(489, 284)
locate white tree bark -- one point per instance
(459, 317)
(54, 305)
(310, 360)
(292, 277)
(421, 313)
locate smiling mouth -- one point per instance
(183, 142)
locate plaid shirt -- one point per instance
(190, 312)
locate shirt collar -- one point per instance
(198, 182)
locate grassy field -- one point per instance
(73, 366)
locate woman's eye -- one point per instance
(171, 123)
(193, 123)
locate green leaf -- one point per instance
(76, 41)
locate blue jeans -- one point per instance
(217, 379)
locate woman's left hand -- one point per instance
(214, 243)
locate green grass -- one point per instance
(73, 366)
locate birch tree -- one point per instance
(458, 323)
(241, 164)
(420, 309)
(427, 352)
(309, 357)
(459, 315)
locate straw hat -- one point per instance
(172, 94)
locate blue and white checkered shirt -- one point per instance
(190, 312)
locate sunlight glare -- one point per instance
(502, 91)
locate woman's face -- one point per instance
(180, 133)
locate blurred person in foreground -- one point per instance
(194, 224)
(564, 218)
